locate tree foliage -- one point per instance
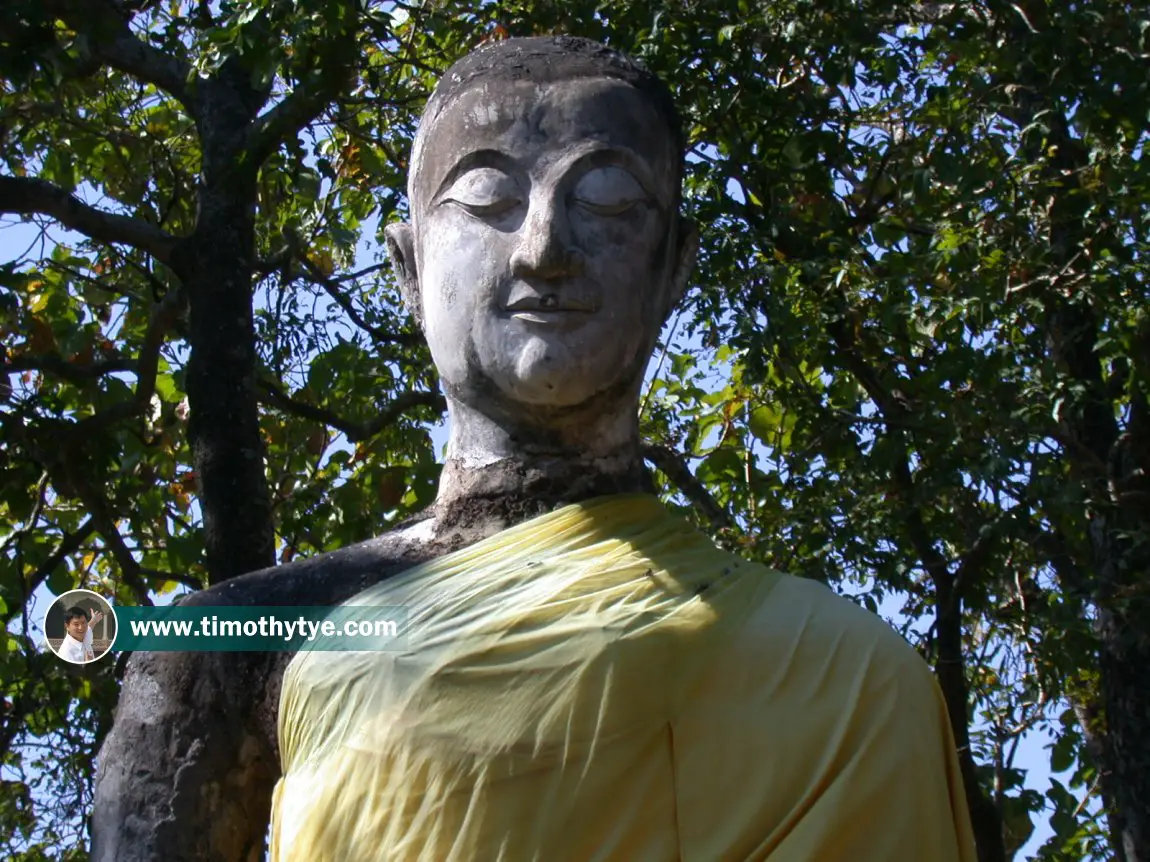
(915, 362)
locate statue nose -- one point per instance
(545, 247)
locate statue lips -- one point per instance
(553, 307)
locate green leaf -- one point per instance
(1063, 752)
(61, 580)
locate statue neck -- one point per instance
(497, 476)
(585, 436)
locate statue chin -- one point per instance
(546, 388)
(546, 375)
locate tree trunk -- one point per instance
(1124, 663)
(215, 265)
(1120, 717)
(1108, 458)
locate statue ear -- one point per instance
(401, 249)
(688, 242)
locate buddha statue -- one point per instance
(586, 676)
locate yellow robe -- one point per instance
(602, 683)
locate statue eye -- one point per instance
(608, 191)
(485, 192)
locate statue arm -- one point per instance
(190, 765)
(186, 772)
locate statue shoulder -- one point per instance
(330, 577)
(825, 626)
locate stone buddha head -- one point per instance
(545, 249)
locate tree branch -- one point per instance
(41, 491)
(146, 366)
(188, 581)
(974, 561)
(73, 372)
(67, 467)
(330, 286)
(275, 397)
(29, 196)
(111, 41)
(296, 110)
(672, 466)
(317, 89)
(950, 664)
(106, 527)
(69, 544)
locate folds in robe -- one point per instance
(602, 683)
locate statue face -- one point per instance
(547, 249)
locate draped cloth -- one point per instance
(603, 683)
